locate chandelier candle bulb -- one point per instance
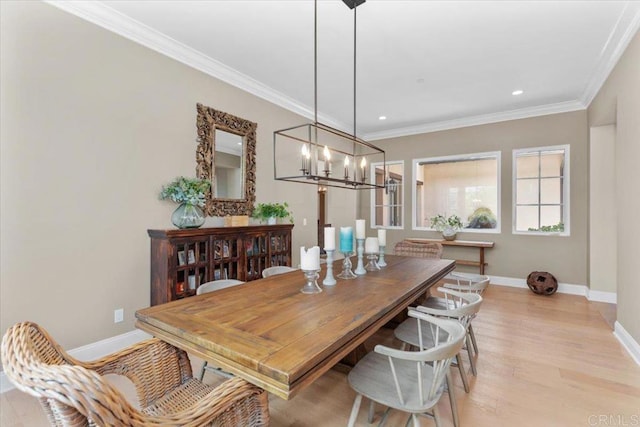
(360, 229)
(346, 239)
(363, 167)
(371, 245)
(346, 168)
(305, 153)
(310, 258)
(329, 239)
(327, 153)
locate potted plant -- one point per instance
(271, 212)
(448, 226)
(191, 194)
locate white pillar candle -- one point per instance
(360, 226)
(329, 239)
(382, 237)
(310, 259)
(371, 245)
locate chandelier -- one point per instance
(315, 153)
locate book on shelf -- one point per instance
(220, 274)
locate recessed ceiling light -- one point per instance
(382, 118)
(517, 92)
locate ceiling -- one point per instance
(425, 65)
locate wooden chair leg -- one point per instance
(463, 374)
(472, 361)
(452, 399)
(436, 416)
(372, 410)
(473, 339)
(384, 417)
(355, 410)
(409, 419)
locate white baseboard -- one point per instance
(602, 296)
(93, 351)
(563, 288)
(627, 341)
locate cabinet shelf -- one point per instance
(222, 253)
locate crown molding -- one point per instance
(102, 15)
(523, 113)
(112, 20)
(623, 32)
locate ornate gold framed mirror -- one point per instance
(226, 156)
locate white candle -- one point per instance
(327, 154)
(382, 237)
(329, 239)
(360, 226)
(346, 167)
(310, 259)
(371, 245)
(363, 166)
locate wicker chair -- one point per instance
(75, 393)
(418, 250)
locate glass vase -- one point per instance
(188, 215)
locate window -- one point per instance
(541, 190)
(387, 204)
(465, 185)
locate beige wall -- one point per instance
(618, 101)
(514, 255)
(92, 126)
(602, 209)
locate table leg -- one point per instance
(482, 261)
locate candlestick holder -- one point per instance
(346, 267)
(360, 267)
(381, 261)
(311, 284)
(329, 280)
(372, 265)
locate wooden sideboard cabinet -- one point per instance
(182, 260)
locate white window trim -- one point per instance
(470, 156)
(565, 188)
(372, 214)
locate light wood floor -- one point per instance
(544, 361)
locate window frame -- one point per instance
(372, 214)
(566, 196)
(461, 157)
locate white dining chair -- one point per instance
(464, 306)
(463, 282)
(278, 269)
(216, 285)
(410, 381)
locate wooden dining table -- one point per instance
(272, 335)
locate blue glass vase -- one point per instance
(188, 215)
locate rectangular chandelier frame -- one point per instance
(324, 164)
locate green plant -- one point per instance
(271, 210)
(482, 218)
(440, 222)
(559, 227)
(186, 190)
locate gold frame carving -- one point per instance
(208, 121)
